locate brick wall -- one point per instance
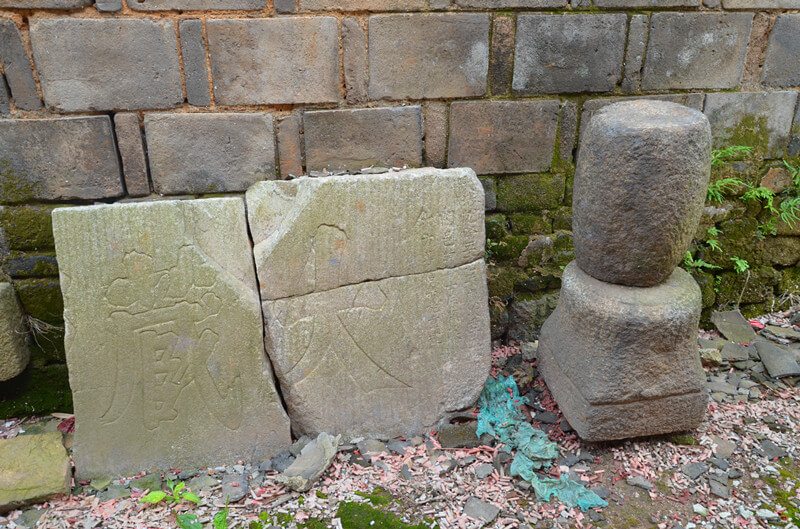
(110, 100)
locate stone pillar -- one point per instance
(619, 352)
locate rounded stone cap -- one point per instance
(640, 184)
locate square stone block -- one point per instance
(781, 67)
(164, 337)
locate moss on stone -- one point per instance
(362, 516)
(41, 298)
(502, 279)
(24, 265)
(27, 227)
(508, 248)
(36, 391)
(706, 283)
(759, 287)
(16, 186)
(530, 223)
(751, 131)
(530, 192)
(377, 497)
(496, 227)
(789, 282)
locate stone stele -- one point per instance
(374, 297)
(640, 184)
(622, 361)
(164, 337)
(14, 350)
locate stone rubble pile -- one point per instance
(619, 352)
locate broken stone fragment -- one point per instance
(778, 362)
(14, 349)
(313, 460)
(32, 468)
(164, 337)
(733, 326)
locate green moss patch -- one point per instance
(41, 298)
(362, 516)
(36, 391)
(530, 192)
(27, 227)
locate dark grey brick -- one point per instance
(17, 67)
(646, 3)
(499, 4)
(361, 5)
(108, 5)
(435, 128)
(770, 113)
(209, 153)
(43, 4)
(193, 52)
(5, 108)
(79, 161)
(285, 6)
(354, 139)
(567, 131)
(794, 140)
(634, 54)
(290, 147)
(781, 65)
(428, 56)
(494, 137)
(131, 151)
(354, 59)
(569, 53)
(195, 5)
(274, 61)
(696, 50)
(107, 64)
(761, 4)
(501, 64)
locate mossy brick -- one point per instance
(696, 50)
(24, 265)
(80, 161)
(106, 64)
(196, 5)
(27, 227)
(274, 60)
(37, 391)
(17, 66)
(562, 218)
(755, 119)
(759, 287)
(536, 282)
(780, 251)
(507, 248)
(498, 320)
(41, 299)
(502, 280)
(737, 238)
(549, 254)
(530, 223)
(494, 137)
(789, 282)
(448, 54)
(47, 345)
(496, 226)
(753, 310)
(706, 283)
(548, 46)
(529, 192)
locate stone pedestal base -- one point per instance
(622, 361)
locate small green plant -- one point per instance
(176, 495)
(795, 172)
(690, 263)
(188, 521)
(712, 242)
(734, 152)
(220, 520)
(789, 211)
(762, 194)
(740, 265)
(718, 189)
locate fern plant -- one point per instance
(740, 265)
(720, 156)
(718, 189)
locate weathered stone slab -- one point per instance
(778, 362)
(14, 350)
(32, 468)
(290, 147)
(646, 3)
(428, 56)
(408, 349)
(106, 64)
(274, 61)
(634, 53)
(656, 191)
(354, 60)
(569, 53)
(758, 119)
(164, 337)
(761, 4)
(193, 53)
(5, 97)
(498, 4)
(313, 234)
(354, 139)
(209, 153)
(43, 4)
(17, 67)
(80, 160)
(196, 5)
(495, 136)
(696, 50)
(781, 67)
(501, 65)
(733, 326)
(622, 361)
